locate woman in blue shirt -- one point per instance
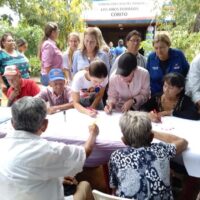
(164, 60)
(89, 51)
(9, 56)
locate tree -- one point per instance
(185, 26)
(38, 12)
(186, 13)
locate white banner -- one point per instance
(123, 10)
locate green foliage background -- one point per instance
(35, 14)
(183, 35)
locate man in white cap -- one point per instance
(19, 87)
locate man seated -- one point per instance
(141, 170)
(57, 94)
(32, 168)
(19, 87)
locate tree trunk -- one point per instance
(196, 27)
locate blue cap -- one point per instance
(56, 74)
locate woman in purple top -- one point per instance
(49, 54)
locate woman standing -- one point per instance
(9, 56)
(49, 54)
(73, 42)
(89, 51)
(22, 46)
(164, 60)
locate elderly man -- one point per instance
(58, 95)
(133, 40)
(19, 87)
(31, 167)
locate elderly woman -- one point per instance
(164, 60)
(10, 56)
(49, 54)
(40, 165)
(90, 50)
(141, 170)
(172, 101)
(129, 88)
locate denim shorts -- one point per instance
(44, 79)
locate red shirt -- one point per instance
(28, 88)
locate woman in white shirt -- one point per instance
(73, 42)
(88, 87)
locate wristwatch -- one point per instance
(134, 101)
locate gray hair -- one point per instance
(28, 114)
(136, 128)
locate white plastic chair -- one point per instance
(102, 196)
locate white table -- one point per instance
(5, 114)
(74, 130)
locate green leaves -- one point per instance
(186, 16)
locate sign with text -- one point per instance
(123, 10)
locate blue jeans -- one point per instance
(86, 102)
(44, 79)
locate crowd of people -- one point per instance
(90, 76)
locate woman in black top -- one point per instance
(172, 101)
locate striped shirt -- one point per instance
(18, 60)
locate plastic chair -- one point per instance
(102, 196)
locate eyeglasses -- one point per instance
(133, 40)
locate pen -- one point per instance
(91, 109)
(64, 113)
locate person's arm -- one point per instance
(89, 144)
(12, 95)
(193, 80)
(54, 109)
(47, 69)
(47, 57)
(68, 75)
(108, 107)
(112, 95)
(98, 98)
(151, 104)
(80, 108)
(2, 85)
(144, 93)
(186, 109)
(75, 62)
(180, 143)
(105, 59)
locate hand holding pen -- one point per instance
(155, 116)
(108, 109)
(91, 112)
